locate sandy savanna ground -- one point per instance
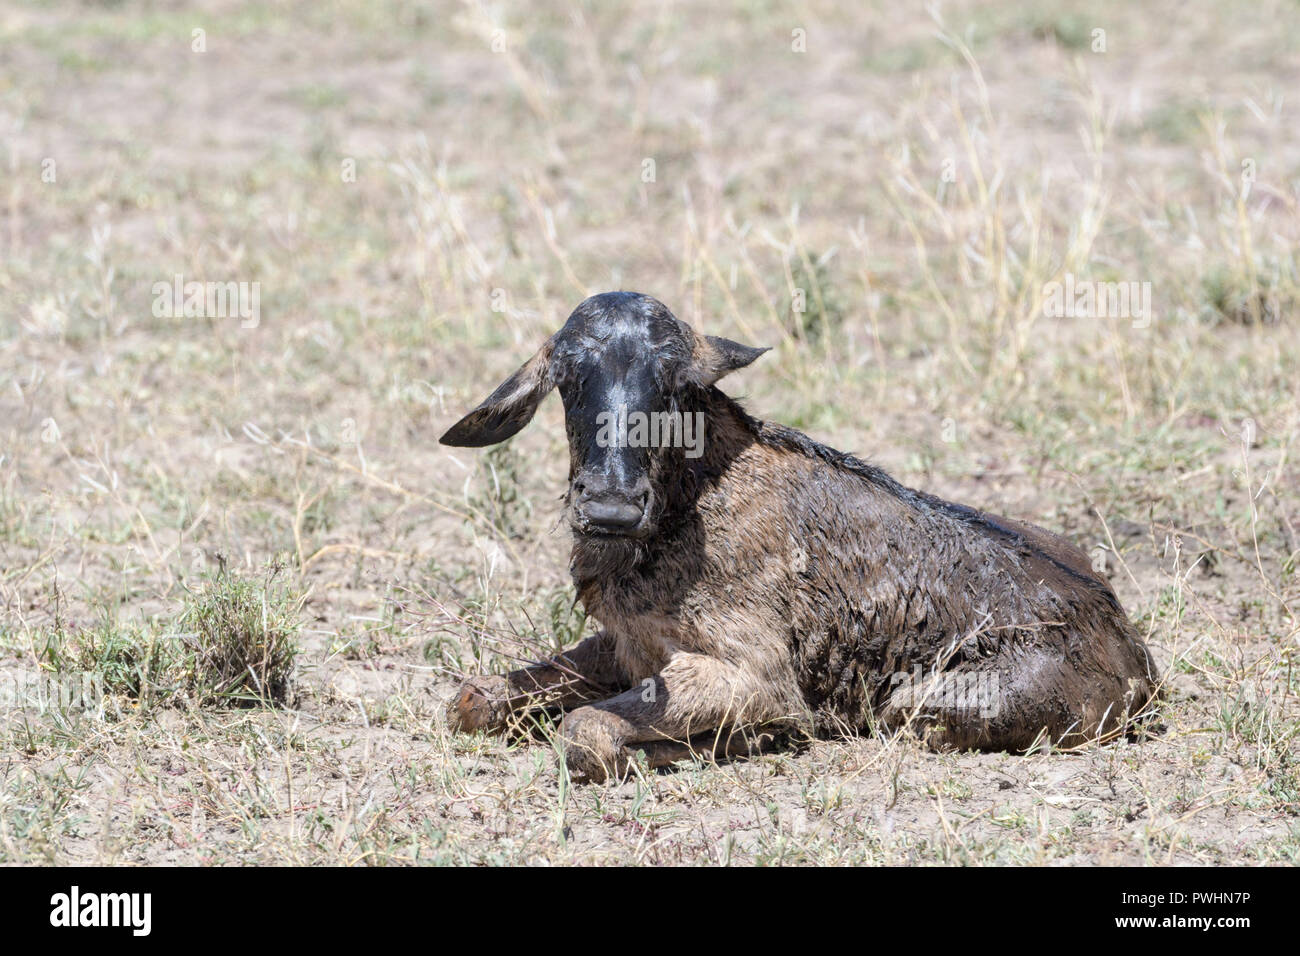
(422, 192)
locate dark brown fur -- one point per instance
(788, 585)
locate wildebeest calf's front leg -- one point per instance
(694, 698)
(590, 671)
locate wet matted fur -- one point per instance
(774, 583)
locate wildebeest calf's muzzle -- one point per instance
(610, 491)
(608, 506)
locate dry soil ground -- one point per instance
(422, 192)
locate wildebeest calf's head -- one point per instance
(626, 368)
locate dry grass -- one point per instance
(914, 182)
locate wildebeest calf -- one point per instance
(758, 581)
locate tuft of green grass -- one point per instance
(1177, 122)
(814, 303)
(501, 499)
(241, 634)
(234, 642)
(1230, 295)
(116, 660)
(1073, 31)
(565, 621)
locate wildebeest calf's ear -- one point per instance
(509, 408)
(714, 357)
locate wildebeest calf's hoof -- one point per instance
(591, 746)
(482, 703)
